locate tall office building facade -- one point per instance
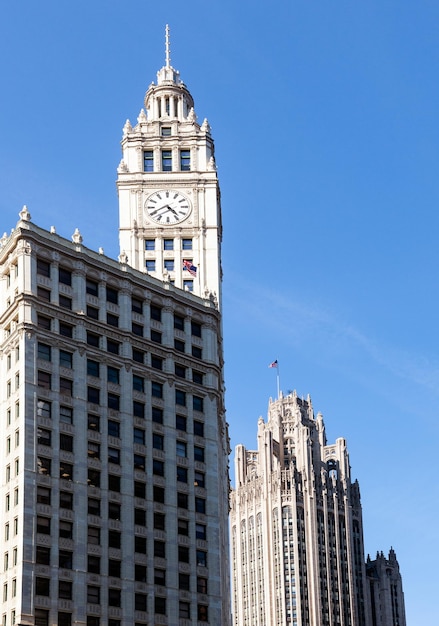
(296, 527)
(114, 476)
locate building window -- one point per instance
(179, 345)
(65, 276)
(65, 529)
(150, 244)
(156, 389)
(160, 605)
(92, 287)
(43, 495)
(160, 577)
(166, 131)
(92, 340)
(44, 380)
(43, 294)
(178, 322)
(114, 510)
(157, 415)
(184, 582)
(66, 500)
(43, 322)
(113, 320)
(181, 448)
(94, 507)
(113, 374)
(156, 337)
(197, 404)
(185, 160)
(140, 602)
(65, 302)
(140, 544)
(114, 456)
(158, 496)
(140, 573)
(64, 619)
(168, 244)
(114, 539)
(65, 470)
(140, 517)
(93, 564)
(93, 395)
(94, 535)
(138, 409)
(156, 362)
(138, 383)
(197, 377)
(43, 525)
(160, 549)
(158, 467)
(44, 352)
(148, 161)
(159, 521)
(187, 244)
(138, 355)
(203, 613)
(93, 422)
(139, 489)
(139, 462)
(114, 597)
(93, 595)
(181, 423)
(114, 568)
(113, 401)
(66, 330)
(112, 295)
(182, 500)
(42, 586)
(199, 454)
(200, 505)
(166, 160)
(180, 397)
(197, 352)
(114, 483)
(113, 428)
(137, 329)
(65, 560)
(136, 306)
(41, 617)
(188, 285)
(66, 386)
(66, 414)
(183, 554)
(182, 474)
(169, 265)
(92, 368)
(44, 466)
(150, 265)
(201, 584)
(156, 313)
(65, 359)
(43, 268)
(66, 442)
(180, 370)
(158, 441)
(184, 610)
(42, 555)
(200, 531)
(113, 346)
(199, 479)
(44, 438)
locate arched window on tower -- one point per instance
(333, 469)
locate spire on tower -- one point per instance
(167, 47)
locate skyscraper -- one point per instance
(114, 475)
(296, 527)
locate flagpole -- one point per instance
(278, 380)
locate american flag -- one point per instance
(187, 265)
(274, 364)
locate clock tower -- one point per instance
(169, 197)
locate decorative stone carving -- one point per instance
(77, 237)
(24, 214)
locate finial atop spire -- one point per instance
(167, 47)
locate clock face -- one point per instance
(167, 207)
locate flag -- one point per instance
(187, 265)
(274, 364)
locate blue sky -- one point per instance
(327, 143)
